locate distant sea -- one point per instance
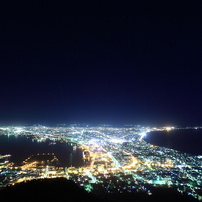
(21, 147)
(184, 140)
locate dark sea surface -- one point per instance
(184, 140)
(21, 147)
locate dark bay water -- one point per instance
(21, 147)
(184, 140)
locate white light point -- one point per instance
(169, 128)
(18, 129)
(142, 135)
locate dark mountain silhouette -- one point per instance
(57, 189)
(61, 189)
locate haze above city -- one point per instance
(113, 63)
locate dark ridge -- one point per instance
(57, 189)
(61, 189)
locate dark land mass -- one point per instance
(184, 140)
(61, 189)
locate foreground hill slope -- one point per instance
(57, 189)
(61, 189)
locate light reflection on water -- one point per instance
(22, 147)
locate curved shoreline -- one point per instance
(183, 140)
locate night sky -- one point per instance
(112, 62)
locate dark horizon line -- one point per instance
(98, 123)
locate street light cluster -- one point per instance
(116, 160)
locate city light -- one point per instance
(168, 128)
(142, 135)
(108, 153)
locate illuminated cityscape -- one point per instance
(115, 160)
(95, 94)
